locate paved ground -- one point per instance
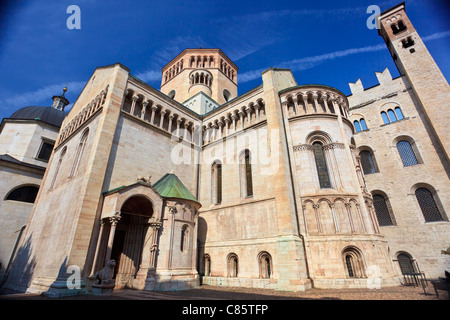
(218, 293)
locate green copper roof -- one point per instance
(169, 186)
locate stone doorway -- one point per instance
(129, 239)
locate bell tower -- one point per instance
(200, 70)
(415, 63)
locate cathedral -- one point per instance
(285, 187)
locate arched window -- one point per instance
(216, 182)
(385, 118)
(321, 165)
(357, 126)
(246, 174)
(353, 263)
(58, 167)
(265, 265)
(79, 153)
(45, 150)
(207, 264)
(399, 113)
(232, 265)
(428, 205)
(184, 242)
(226, 95)
(406, 153)
(382, 210)
(363, 124)
(171, 94)
(406, 264)
(392, 116)
(23, 194)
(367, 162)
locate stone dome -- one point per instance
(48, 115)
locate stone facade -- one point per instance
(269, 189)
(22, 167)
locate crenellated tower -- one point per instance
(414, 61)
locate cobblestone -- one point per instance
(218, 293)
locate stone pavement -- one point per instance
(218, 293)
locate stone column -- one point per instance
(316, 213)
(295, 100)
(257, 110)
(177, 133)
(241, 114)
(161, 120)
(152, 117)
(234, 117)
(186, 129)
(133, 104)
(97, 248)
(113, 220)
(316, 103)
(170, 123)
(144, 109)
(305, 102)
(220, 123)
(153, 244)
(323, 99)
(249, 115)
(227, 125)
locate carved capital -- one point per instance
(115, 219)
(172, 210)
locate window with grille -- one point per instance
(45, 151)
(382, 210)
(398, 27)
(248, 174)
(406, 264)
(321, 165)
(216, 183)
(407, 153)
(23, 194)
(428, 205)
(348, 262)
(367, 163)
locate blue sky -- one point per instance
(322, 42)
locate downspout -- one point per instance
(295, 199)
